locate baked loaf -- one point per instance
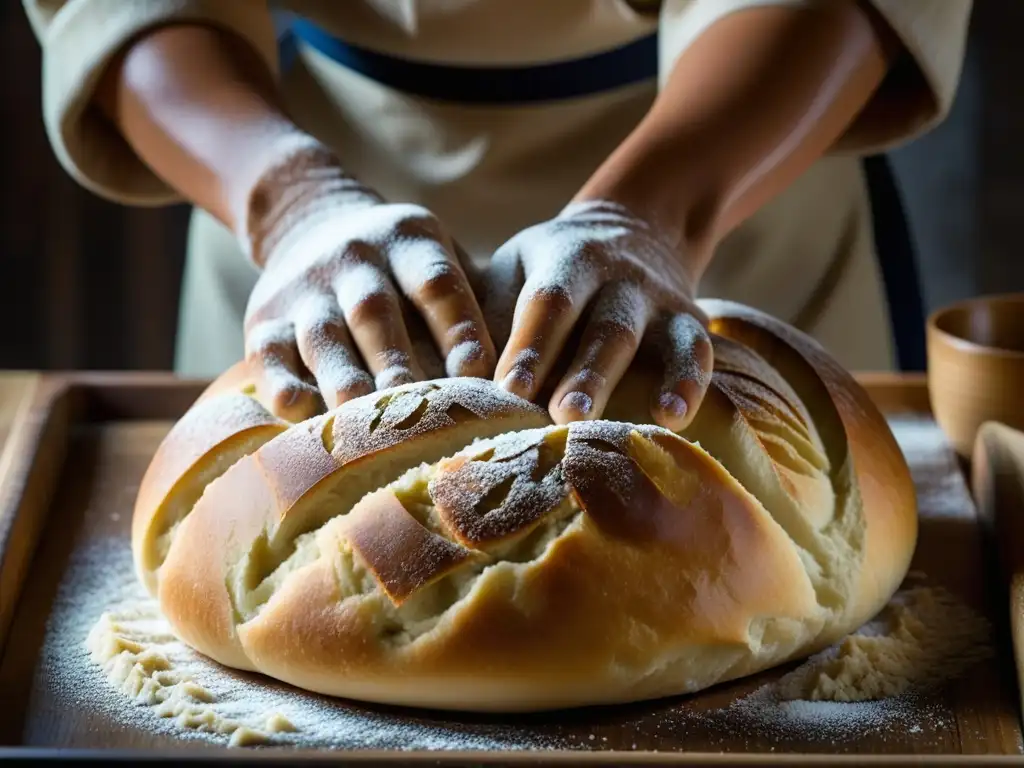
(443, 545)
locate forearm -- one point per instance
(200, 108)
(748, 107)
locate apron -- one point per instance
(493, 153)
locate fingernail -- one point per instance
(518, 381)
(579, 402)
(673, 404)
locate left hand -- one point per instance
(597, 253)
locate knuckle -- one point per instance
(357, 250)
(615, 330)
(375, 304)
(353, 382)
(440, 280)
(415, 221)
(268, 339)
(584, 254)
(320, 330)
(552, 298)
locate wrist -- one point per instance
(649, 178)
(301, 182)
(661, 221)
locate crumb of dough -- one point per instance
(247, 737)
(128, 645)
(278, 723)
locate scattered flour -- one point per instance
(923, 637)
(123, 661)
(874, 682)
(109, 652)
(135, 648)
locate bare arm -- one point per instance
(750, 105)
(200, 108)
(202, 111)
(757, 99)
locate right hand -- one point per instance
(338, 263)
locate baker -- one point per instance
(577, 165)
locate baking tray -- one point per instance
(69, 472)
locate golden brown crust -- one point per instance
(249, 519)
(199, 447)
(377, 552)
(597, 618)
(484, 499)
(403, 555)
(855, 434)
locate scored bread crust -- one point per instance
(443, 544)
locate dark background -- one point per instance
(87, 284)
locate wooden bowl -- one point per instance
(976, 366)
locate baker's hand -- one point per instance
(597, 256)
(325, 317)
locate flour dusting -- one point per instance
(109, 652)
(923, 637)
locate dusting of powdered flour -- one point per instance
(108, 651)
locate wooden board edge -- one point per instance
(496, 759)
(135, 395)
(896, 393)
(30, 464)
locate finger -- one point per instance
(373, 314)
(552, 300)
(274, 359)
(688, 361)
(609, 343)
(544, 318)
(431, 277)
(501, 284)
(474, 273)
(326, 348)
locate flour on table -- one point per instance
(133, 645)
(109, 652)
(873, 681)
(923, 637)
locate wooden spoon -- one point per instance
(997, 483)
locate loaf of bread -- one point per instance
(444, 545)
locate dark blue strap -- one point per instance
(628, 64)
(898, 264)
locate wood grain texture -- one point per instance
(30, 463)
(112, 442)
(997, 473)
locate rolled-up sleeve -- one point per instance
(79, 38)
(915, 96)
